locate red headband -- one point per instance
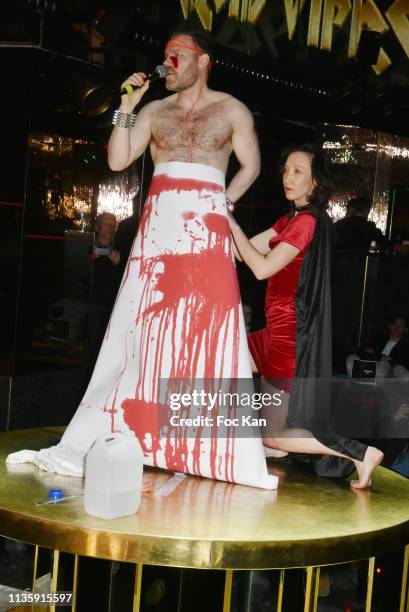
(178, 42)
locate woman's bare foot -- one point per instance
(274, 452)
(372, 459)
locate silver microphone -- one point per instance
(159, 73)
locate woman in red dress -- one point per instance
(295, 347)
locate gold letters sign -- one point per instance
(324, 17)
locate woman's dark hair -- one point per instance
(319, 169)
(200, 39)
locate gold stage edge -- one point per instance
(206, 524)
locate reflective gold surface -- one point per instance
(209, 524)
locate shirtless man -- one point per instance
(177, 319)
(195, 124)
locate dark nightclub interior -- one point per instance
(332, 72)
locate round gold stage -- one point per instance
(205, 524)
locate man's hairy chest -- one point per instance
(208, 129)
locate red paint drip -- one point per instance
(200, 292)
(163, 182)
(217, 224)
(141, 417)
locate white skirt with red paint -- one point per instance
(177, 316)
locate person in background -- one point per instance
(401, 463)
(391, 352)
(105, 279)
(354, 232)
(105, 230)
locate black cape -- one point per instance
(310, 397)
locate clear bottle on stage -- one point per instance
(113, 476)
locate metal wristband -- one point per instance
(126, 120)
(230, 205)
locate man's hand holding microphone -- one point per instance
(135, 86)
(132, 91)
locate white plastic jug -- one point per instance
(113, 476)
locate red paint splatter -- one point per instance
(163, 182)
(174, 59)
(217, 224)
(142, 418)
(194, 275)
(201, 291)
(188, 215)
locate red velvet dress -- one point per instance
(273, 348)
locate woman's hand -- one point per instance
(233, 228)
(232, 221)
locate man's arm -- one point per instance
(127, 144)
(245, 147)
